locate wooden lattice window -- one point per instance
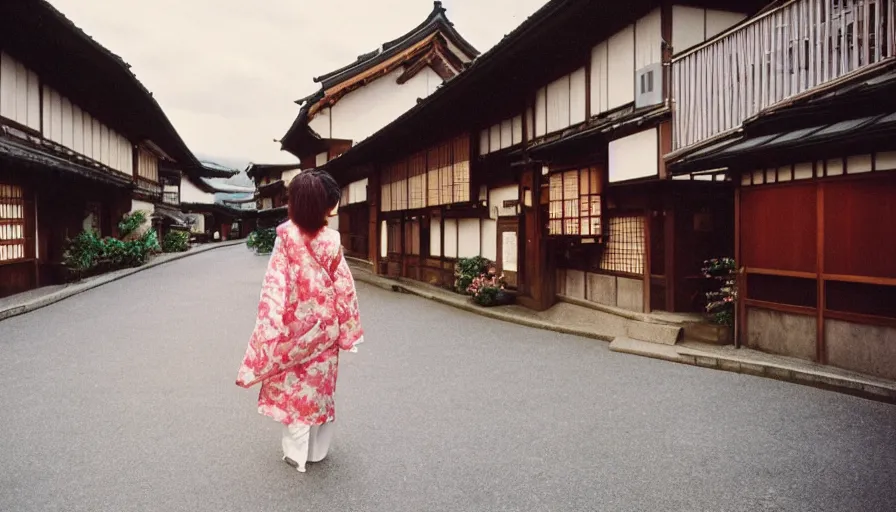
(575, 203)
(12, 223)
(386, 190)
(417, 181)
(461, 171)
(624, 250)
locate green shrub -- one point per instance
(87, 252)
(176, 241)
(468, 269)
(262, 240)
(83, 252)
(130, 223)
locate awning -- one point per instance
(23, 153)
(163, 212)
(859, 135)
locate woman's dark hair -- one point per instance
(312, 195)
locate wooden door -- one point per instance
(508, 250)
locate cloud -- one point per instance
(228, 71)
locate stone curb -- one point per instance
(864, 388)
(398, 286)
(674, 353)
(76, 289)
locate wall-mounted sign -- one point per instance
(511, 203)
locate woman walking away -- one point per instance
(308, 312)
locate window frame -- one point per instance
(563, 205)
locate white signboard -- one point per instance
(509, 251)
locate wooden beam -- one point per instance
(821, 349)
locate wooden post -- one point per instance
(821, 349)
(373, 195)
(647, 222)
(740, 309)
(669, 250)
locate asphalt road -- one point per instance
(122, 399)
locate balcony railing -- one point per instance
(779, 54)
(171, 198)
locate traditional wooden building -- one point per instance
(358, 99)
(80, 142)
(807, 130)
(545, 155)
(213, 207)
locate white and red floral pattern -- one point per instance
(308, 311)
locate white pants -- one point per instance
(305, 443)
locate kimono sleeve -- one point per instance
(270, 328)
(350, 332)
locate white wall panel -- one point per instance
(688, 27)
(489, 238)
(541, 125)
(19, 93)
(496, 198)
(635, 156)
(530, 123)
(451, 238)
(484, 142)
(621, 68)
(321, 123)
(468, 238)
(558, 104)
(104, 145)
(68, 124)
(56, 117)
(506, 133)
(648, 40)
(190, 193)
(599, 79)
(384, 239)
(97, 140)
(720, 21)
(494, 138)
(517, 129)
(435, 238)
(77, 129)
(577, 94)
(87, 129)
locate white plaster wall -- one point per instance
(496, 198)
(289, 175)
(320, 123)
(621, 68)
(364, 111)
(634, 156)
(19, 92)
(693, 25)
(489, 237)
(190, 193)
(720, 21)
(648, 40)
(435, 238)
(451, 238)
(468, 238)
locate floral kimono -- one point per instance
(307, 313)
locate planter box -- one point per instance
(502, 299)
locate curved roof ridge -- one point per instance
(436, 18)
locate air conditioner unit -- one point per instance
(649, 85)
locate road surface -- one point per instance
(122, 399)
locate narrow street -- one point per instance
(122, 399)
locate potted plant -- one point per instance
(488, 289)
(720, 303)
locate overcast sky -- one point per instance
(228, 71)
